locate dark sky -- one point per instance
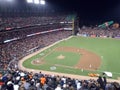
(90, 11)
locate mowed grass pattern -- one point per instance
(108, 49)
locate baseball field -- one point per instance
(79, 56)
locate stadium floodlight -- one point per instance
(29, 1)
(42, 2)
(36, 2)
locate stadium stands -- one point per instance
(98, 32)
(22, 36)
(18, 22)
(28, 33)
(13, 50)
(16, 79)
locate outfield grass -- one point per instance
(108, 49)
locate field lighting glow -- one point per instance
(30, 1)
(9, 0)
(42, 2)
(37, 1)
(6, 2)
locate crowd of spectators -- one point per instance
(26, 32)
(99, 32)
(22, 80)
(17, 49)
(23, 32)
(16, 79)
(17, 22)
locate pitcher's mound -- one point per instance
(61, 56)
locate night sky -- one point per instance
(91, 11)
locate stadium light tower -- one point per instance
(29, 1)
(42, 2)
